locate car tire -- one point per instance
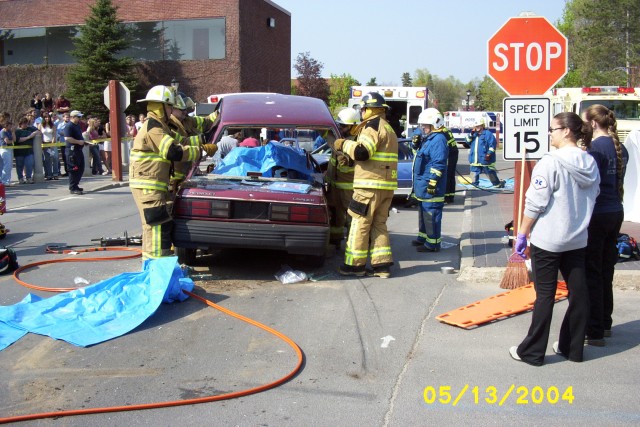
(186, 255)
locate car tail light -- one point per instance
(203, 208)
(299, 213)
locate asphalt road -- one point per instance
(374, 354)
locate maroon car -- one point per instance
(269, 197)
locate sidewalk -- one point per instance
(483, 255)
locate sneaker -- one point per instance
(381, 272)
(513, 351)
(556, 348)
(106, 173)
(596, 342)
(417, 242)
(423, 248)
(607, 333)
(501, 184)
(350, 270)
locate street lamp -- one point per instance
(175, 84)
(468, 96)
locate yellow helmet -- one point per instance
(160, 93)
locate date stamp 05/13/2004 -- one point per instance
(491, 395)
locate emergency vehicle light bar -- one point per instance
(357, 93)
(608, 89)
(420, 94)
(213, 99)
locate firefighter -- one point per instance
(340, 178)
(452, 163)
(482, 154)
(375, 155)
(154, 149)
(191, 129)
(430, 180)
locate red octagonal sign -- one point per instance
(527, 56)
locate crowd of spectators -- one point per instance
(48, 117)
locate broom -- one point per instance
(516, 274)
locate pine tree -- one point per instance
(100, 40)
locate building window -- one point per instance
(150, 41)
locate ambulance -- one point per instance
(406, 104)
(623, 101)
(461, 122)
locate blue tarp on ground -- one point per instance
(99, 312)
(242, 160)
(486, 184)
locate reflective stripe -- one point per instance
(166, 143)
(148, 184)
(435, 172)
(147, 156)
(343, 185)
(379, 185)
(382, 251)
(367, 143)
(432, 200)
(384, 157)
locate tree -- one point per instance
(406, 80)
(372, 82)
(604, 42)
(488, 96)
(340, 91)
(310, 81)
(101, 38)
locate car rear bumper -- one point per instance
(294, 239)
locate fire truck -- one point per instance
(406, 104)
(623, 101)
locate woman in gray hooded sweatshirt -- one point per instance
(558, 207)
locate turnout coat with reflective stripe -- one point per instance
(380, 170)
(154, 148)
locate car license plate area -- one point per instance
(250, 210)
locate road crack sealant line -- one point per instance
(154, 405)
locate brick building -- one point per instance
(208, 46)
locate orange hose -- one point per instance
(155, 405)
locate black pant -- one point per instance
(75, 164)
(602, 255)
(452, 162)
(545, 266)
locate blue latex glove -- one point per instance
(521, 244)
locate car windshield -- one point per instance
(306, 138)
(623, 109)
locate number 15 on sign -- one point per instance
(526, 126)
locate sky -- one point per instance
(384, 39)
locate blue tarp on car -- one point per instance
(265, 160)
(99, 312)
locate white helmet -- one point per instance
(160, 93)
(431, 116)
(479, 122)
(348, 116)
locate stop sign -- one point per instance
(527, 56)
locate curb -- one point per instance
(622, 279)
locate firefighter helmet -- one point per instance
(348, 116)
(431, 116)
(179, 103)
(188, 102)
(373, 100)
(479, 122)
(160, 93)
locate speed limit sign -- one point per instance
(526, 127)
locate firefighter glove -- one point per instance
(487, 157)
(416, 141)
(210, 149)
(338, 144)
(431, 188)
(521, 244)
